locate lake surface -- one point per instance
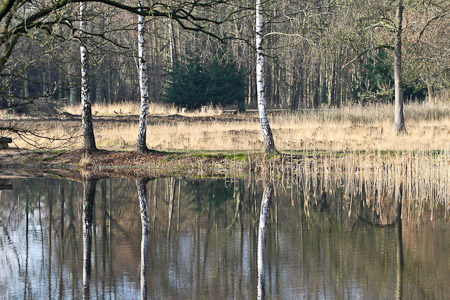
(316, 237)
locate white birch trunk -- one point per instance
(263, 215)
(399, 119)
(269, 145)
(143, 85)
(86, 115)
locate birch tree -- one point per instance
(269, 145)
(399, 119)
(86, 114)
(143, 85)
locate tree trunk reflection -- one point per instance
(400, 262)
(263, 215)
(62, 246)
(145, 223)
(88, 212)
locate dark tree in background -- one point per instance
(376, 80)
(197, 84)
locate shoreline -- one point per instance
(80, 164)
(98, 164)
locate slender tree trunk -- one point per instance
(338, 81)
(316, 99)
(72, 79)
(263, 215)
(323, 81)
(173, 45)
(61, 94)
(302, 87)
(99, 74)
(99, 86)
(110, 98)
(269, 144)
(399, 119)
(26, 93)
(44, 78)
(430, 92)
(86, 116)
(143, 84)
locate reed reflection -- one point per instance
(88, 213)
(263, 215)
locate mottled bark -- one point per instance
(86, 115)
(143, 85)
(269, 145)
(263, 215)
(399, 118)
(88, 213)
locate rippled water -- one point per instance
(323, 240)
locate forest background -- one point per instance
(319, 54)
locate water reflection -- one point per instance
(263, 215)
(88, 213)
(184, 238)
(400, 259)
(145, 227)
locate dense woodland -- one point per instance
(318, 53)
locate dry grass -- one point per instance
(348, 128)
(133, 108)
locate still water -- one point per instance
(187, 238)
